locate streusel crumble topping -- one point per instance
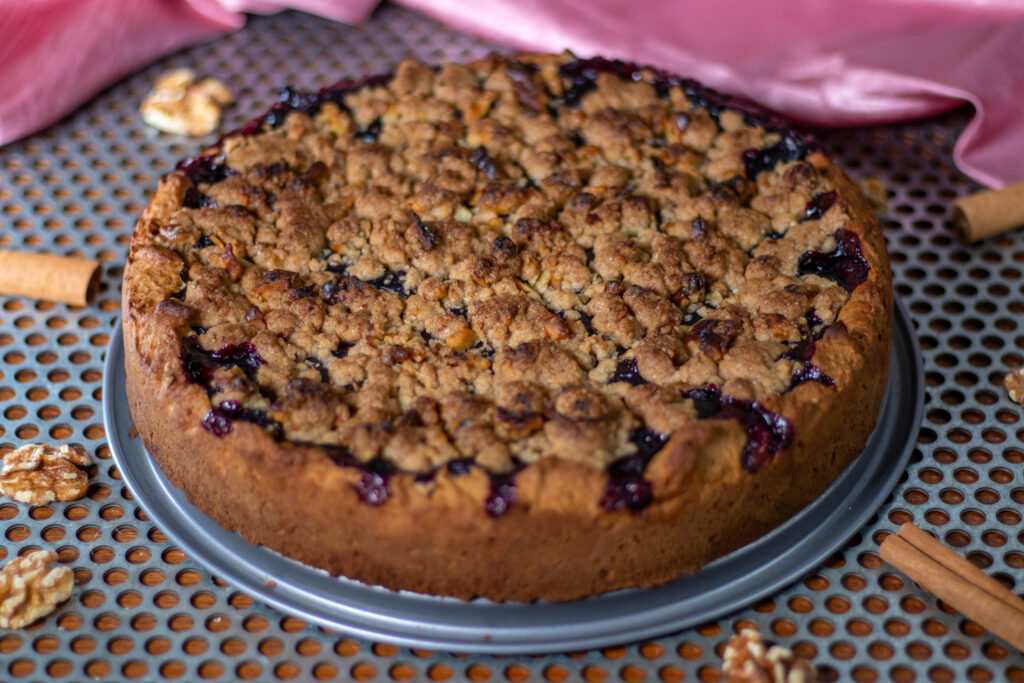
(486, 265)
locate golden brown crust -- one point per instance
(541, 406)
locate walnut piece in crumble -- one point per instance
(748, 660)
(1014, 383)
(181, 105)
(30, 588)
(39, 474)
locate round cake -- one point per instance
(531, 327)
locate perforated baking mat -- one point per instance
(483, 626)
(143, 610)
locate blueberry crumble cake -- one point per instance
(531, 327)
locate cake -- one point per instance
(528, 328)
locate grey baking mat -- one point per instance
(143, 610)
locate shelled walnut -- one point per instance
(180, 104)
(30, 588)
(39, 474)
(1014, 383)
(748, 660)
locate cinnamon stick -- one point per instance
(52, 278)
(990, 212)
(940, 571)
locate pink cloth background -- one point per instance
(818, 62)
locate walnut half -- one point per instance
(747, 660)
(31, 589)
(1014, 383)
(39, 474)
(182, 105)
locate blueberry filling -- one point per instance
(583, 75)
(371, 132)
(802, 352)
(767, 432)
(319, 367)
(626, 488)
(819, 205)
(392, 281)
(692, 318)
(845, 265)
(698, 227)
(217, 423)
(789, 148)
(587, 320)
(333, 290)
(200, 364)
(626, 371)
(484, 163)
(206, 169)
(329, 291)
(337, 268)
(459, 466)
(180, 294)
(707, 401)
(309, 102)
(486, 350)
(810, 373)
(203, 242)
(502, 494)
(218, 420)
(290, 100)
(627, 494)
(701, 97)
(194, 199)
(373, 488)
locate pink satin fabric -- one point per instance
(830, 63)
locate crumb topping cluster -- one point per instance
(489, 264)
